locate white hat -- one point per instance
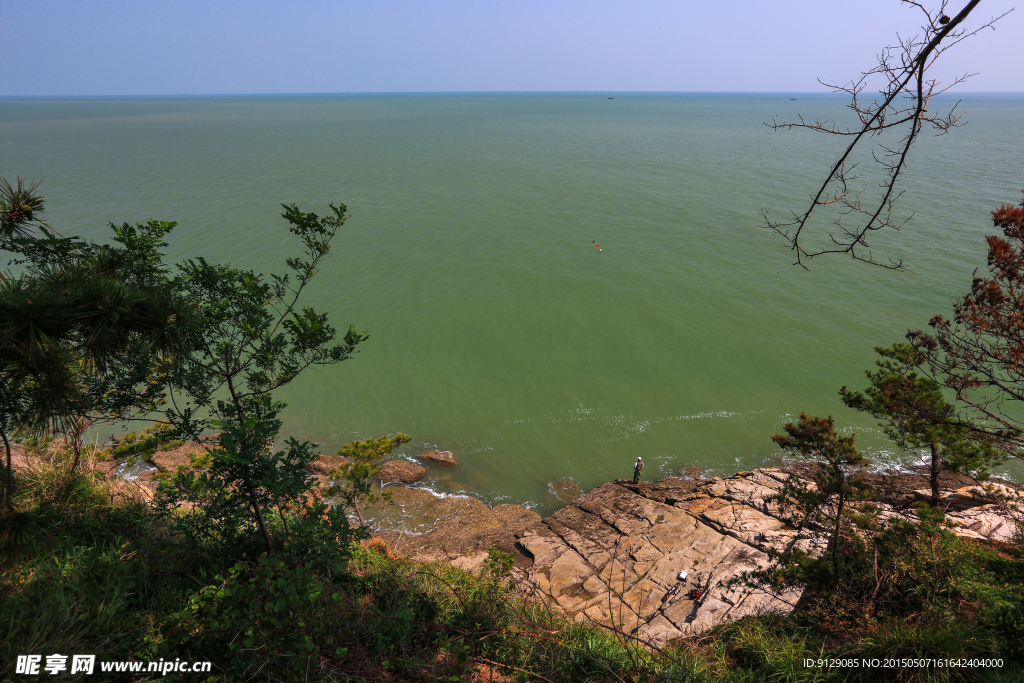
(638, 458)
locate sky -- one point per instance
(205, 47)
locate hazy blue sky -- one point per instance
(138, 47)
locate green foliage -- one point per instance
(768, 648)
(258, 618)
(146, 443)
(210, 519)
(21, 537)
(91, 582)
(353, 481)
(20, 206)
(498, 565)
(250, 339)
(822, 505)
(84, 327)
(53, 484)
(112, 581)
(915, 415)
(404, 612)
(976, 353)
(243, 473)
(319, 537)
(902, 587)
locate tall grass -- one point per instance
(81, 574)
(89, 569)
(405, 611)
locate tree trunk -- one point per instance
(284, 520)
(9, 484)
(935, 473)
(355, 506)
(252, 497)
(262, 524)
(76, 442)
(834, 541)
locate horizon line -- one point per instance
(489, 92)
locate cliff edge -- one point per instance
(614, 555)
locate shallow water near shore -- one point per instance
(498, 329)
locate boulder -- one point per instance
(438, 457)
(401, 471)
(987, 522)
(325, 463)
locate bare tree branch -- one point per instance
(903, 104)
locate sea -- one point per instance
(554, 284)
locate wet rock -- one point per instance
(426, 526)
(148, 474)
(690, 473)
(438, 457)
(402, 471)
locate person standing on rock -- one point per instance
(636, 470)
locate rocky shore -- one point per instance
(613, 555)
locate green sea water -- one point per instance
(498, 330)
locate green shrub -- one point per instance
(405, 612)
(145, 444)
(261, 617)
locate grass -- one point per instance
(92, 570)
(406, 609)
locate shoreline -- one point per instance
(610, 555)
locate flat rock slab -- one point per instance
(173, 458)
(401, 471)
(438, 457)
(426, 526)
(613, 555)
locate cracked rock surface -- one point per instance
(614, 555)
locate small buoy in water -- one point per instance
(598, 247)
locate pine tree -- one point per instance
(916, 415)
